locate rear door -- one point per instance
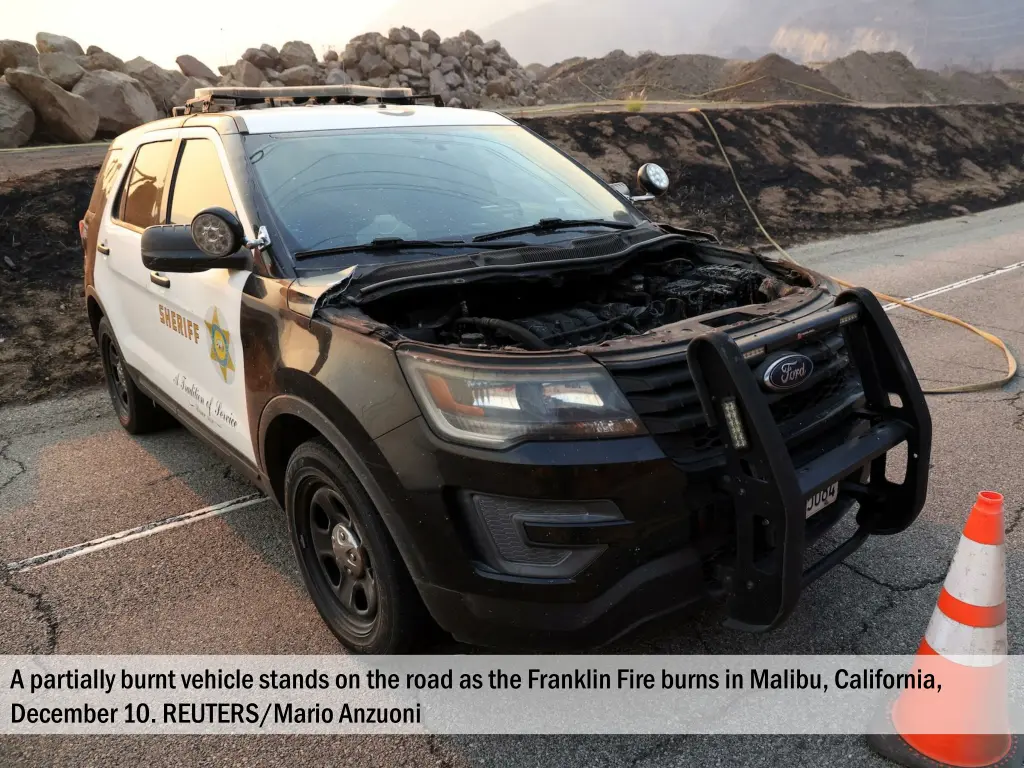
(122, 281)
(197, 316)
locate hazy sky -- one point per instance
(215, 32)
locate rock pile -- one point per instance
(465, 70)
(56, 90)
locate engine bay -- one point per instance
(578, 307)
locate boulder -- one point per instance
(188, 90)
(351, 56)
(399, 35)
(271, 74)
(14, 54)
(478, 52)
(430, 37)
(355, 73)
(397, 56)
(437, 83)
(296, 53)
(61, 69)
(93, 49)
(435, 59)
(190, 66)
(453, 46)
(330, 55)
(492, 46)
(17, 120)
(471, 37)
(47, 42)
(122, 101)
(333, 64)
(302, 75)
(449, 64)
(100, 60)
(271, 51)
(453, 80)
(498, 87)
(375, 66)
(259, 58)
(225, 69)
(247, 73)
(338, 77)
(421, 46)
(65, 116)
(161, 83)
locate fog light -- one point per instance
(497, 522)
(738, 435)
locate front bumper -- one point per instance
(679, 535)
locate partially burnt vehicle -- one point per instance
(484, 386)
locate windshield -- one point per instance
(332, 189)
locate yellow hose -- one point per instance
(1011, 362)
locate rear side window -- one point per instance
(145, 188)
(105, 180)
(199, 182)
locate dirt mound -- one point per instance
(618, 74)
(774, 78)
(891, 78)
(46, 344)
(972, 87)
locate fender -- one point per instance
(380, 483)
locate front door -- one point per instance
(196, 316)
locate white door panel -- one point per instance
(201, 365)
(197, 317)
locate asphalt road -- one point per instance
(226, 584)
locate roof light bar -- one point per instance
(221, 98)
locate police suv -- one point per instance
(489, 393)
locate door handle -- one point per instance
(163, 282)
(103, 249)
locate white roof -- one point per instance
(334, 117)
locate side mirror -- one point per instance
(214, 240)
(653, 179)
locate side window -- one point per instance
(199, 182)
(108, 174)
(145, 187)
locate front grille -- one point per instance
(664, 397)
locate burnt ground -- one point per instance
(813, 171)
(46, 346)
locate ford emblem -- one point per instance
(788, 372)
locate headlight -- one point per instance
(497, 407)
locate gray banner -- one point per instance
(503, 694)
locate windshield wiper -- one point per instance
(398, 244)
(550, 225)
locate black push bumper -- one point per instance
(763, 584)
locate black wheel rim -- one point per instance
(336, 557)
(117, 380)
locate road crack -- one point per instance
(20, 468)
(41, 609)
(891, 592)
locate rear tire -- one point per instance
(135, 410)
(349, 564)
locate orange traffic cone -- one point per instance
(966, 723)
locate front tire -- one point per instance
(137, 413)
(349, 563)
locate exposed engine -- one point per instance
(575, 309)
